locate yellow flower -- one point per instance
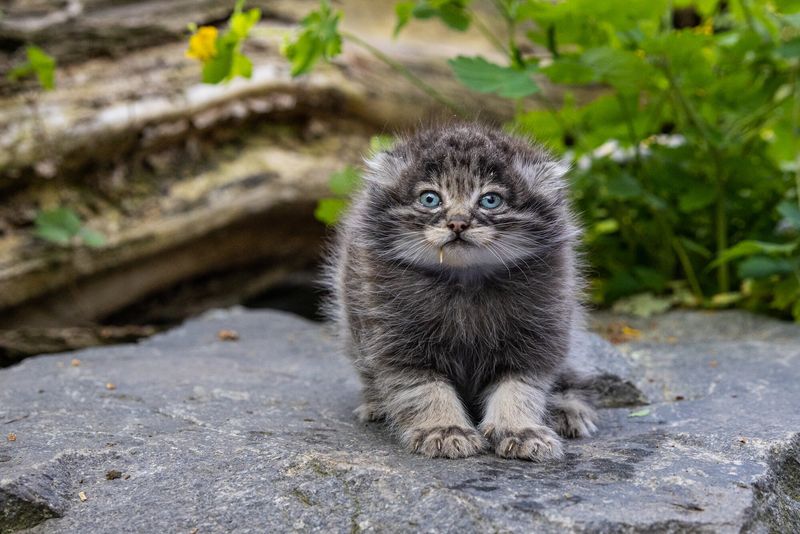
(707, 28)
(203, 44)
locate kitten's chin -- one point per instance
(462, 254)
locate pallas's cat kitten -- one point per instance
(454, 285)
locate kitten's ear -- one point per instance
(385, 168)
(544, 175)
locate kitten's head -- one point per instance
(466, 196)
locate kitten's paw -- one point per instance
(367, 412)
(536, 443)
(574, 419)
(446, 441)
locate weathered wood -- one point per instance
(23, 342)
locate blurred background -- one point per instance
(158, 159)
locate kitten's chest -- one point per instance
(463, 321)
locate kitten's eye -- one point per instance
(430, 199)
(490, 201)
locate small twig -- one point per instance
(487, 32)
(406, 73)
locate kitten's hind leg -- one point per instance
(514, 420)
(571, 415)
(428, 414)
(569, 405)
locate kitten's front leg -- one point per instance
(514, 420)
(426, 410)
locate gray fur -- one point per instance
(479, 337)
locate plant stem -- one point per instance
(487, 32)
(795, 127)
(723, 271)
(748, 15)
(513, 50)
(552, 43)
(721, 217)
(686, 263)
(401, 69)
(631, 127)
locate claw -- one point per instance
(510, 447)
(439, 444)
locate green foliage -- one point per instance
(771, 270)
(342, 184)
(318, 39)
(484, 77)
(62, 226)
(38, 64)
(221, 53)
(682, 158)
(453, 13)
(345, 182)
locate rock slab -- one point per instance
(187, 432)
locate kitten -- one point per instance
(454, 284)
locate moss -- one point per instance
(776, 500)
(18, 514)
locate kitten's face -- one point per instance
(465, 199)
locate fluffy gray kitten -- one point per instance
(454, 284)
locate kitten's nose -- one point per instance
(458, 223)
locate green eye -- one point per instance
(430, 199)
(490, 201)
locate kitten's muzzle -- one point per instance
(458, 223)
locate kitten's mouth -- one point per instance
(457, 241)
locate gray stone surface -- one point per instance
(257, 435)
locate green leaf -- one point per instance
(642, 305)
(59, 225)
(619, 68)
(241, 66)
(319, 39)
(345, 181)
(764, 266)
(640, 413)
(381, 143)
(241, 23)
(694, 246)
(220, 67)
(485, 77)
(43, 65)
(454, 15)
(569, 70)
(330, 209)
(61, 217)
(751, 248)
(786, 293)
(790, 49)
(699, 197)
(607, 226)
(53, 234)
(39, 63)
(403, 11)
(623, 186)
(791, 213)
(92, 238)
(19, 72)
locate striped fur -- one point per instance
(463, 345)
